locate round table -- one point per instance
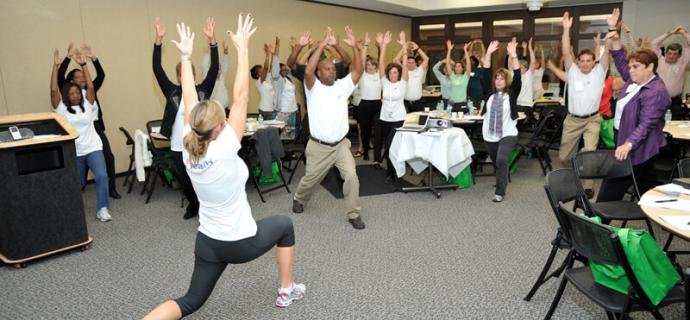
(679, 129)
(655, 213)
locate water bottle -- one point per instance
(261, 119)
(668, 116)
(449, 109)
(481, 106)
(439, 106)
(470, 107)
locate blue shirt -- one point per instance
(443, 80)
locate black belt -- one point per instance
(585, 116)
(330, 144)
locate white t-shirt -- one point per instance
(219, 180)
(327, 107)
(509, 127)
(415, 79)
(537, 86)
(267, 94)
(288, 103)
(177, 128)
(585, 90)
(370, 86)
(88, 140)
(525, 96)
(393, 100)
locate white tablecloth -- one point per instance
(449, 151)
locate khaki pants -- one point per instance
(320, 159)
(573, 129)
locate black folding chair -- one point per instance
(295, 151)
(129, 175)
(602, 164)
(161, 161)
(599, 243)
(560, 186)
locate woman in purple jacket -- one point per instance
(639, 118)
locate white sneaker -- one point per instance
(285, 298)
(497, 198)
(103, 215)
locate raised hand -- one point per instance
(466, 46)
(524, 45)
(512, 47)
(186, 43)
(612, 20)
(209, 29)
(305, 38)
(330, 37)
(387, 37)
(78, 57)
(56, 57)
(349, 37)
(70, 50)
(625, 27)
(245, 29)
(493, 46)
(367, 40)
(379, 38)
(529, 45)
(270, 49)
(86, 49)
(449, 45)
(401, 39)
(293, 42)
(597, 38)
(160, 30)
(567, 21)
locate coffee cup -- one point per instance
(426, 109)
(461, 115)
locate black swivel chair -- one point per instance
(129, 175)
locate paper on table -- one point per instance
(672, 188)
(679, 204)
(678, 222)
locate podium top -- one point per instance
(47, 126)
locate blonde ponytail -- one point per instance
(205, 117)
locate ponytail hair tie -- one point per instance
(204, 135)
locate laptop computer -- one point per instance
(419, 127)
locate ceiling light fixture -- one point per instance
(534, 5)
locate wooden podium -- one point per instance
(41, 208)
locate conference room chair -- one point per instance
(129, 174)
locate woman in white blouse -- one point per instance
(227, 232)
(369, 109)
(394, 83)
(500, 120)
(81, 112)
(264, 86)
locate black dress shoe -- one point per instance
(114, 194)
(589, 193)
(357, 223)
(378, 166)
(391, 179)
(297, 207)
(190, 213)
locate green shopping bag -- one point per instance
(464, 179)
(606, 133)
(517, 150)
(263, 180)
(651, 266)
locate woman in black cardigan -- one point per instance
(500, 120)
(77, 76)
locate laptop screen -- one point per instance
(422, 119)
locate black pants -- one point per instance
(385, 130)
(182, 177)
(500, 154)
(368, 113)
(676, 107)
(614, 189)
(108, 155)
(414, 106)
(212, 256)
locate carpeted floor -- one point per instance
(458, 257)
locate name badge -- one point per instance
(579, 86)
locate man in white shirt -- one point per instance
(417, 75)
(327, 101)
(586, 82)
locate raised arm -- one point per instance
(267, 62)
(303, 59)
(166, 85)
(344, 56)
(468, 62)
(402, 41)
(275, 62)
(209, 81)
(565, 40)
(296, 47)
(542, 58)
(516, 84)
(224, 64)
(309, 72)
(365, 49)
(658, 42)
(383, 40)
(240, 93)
(532, 56)
(620, 58)
(185, 45)
(512, 53)
(100, 74)
(357, 66)
(62, 70)
(449, 51)
(425, 58)
(54, 90)
(612, 21)
(486, 61)
(398, 57)
(90, 91)
(558, 72)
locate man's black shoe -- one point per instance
(297, 207)
(189, 213)
(357, 223)
(391, 179)
(114, 194)
(589, 193)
